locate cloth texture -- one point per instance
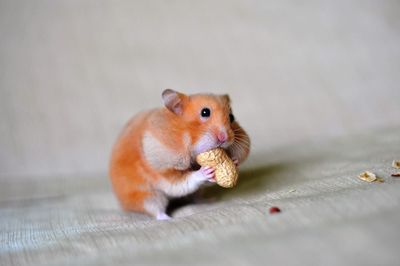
(328, 216)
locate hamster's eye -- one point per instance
(205, 112)
(231, 118)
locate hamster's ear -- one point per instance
(173, 100)
(226, 98)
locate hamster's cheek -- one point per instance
(205, 143)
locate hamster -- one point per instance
(153, 159)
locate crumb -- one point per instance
(367, 176)
(396, 164)
(396, 174)
(273, 210)
(292, 190)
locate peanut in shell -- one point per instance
(226, 174)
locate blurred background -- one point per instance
(73, 72)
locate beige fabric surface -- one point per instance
(329, 217)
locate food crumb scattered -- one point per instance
(273, 210)
(370, 177)
(396, 164)
(396, 174)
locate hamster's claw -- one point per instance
(209, 173)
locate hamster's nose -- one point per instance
(222, 137)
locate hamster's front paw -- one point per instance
(163, 217)
(206, 173)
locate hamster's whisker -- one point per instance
(242, 146)
(239, 146)
(243, 140)
(240, 135)
(236, 148)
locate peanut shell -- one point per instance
(226, 174)
(367, 176)
(396, 164)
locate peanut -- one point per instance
(226, 174)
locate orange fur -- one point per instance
(153, 156)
